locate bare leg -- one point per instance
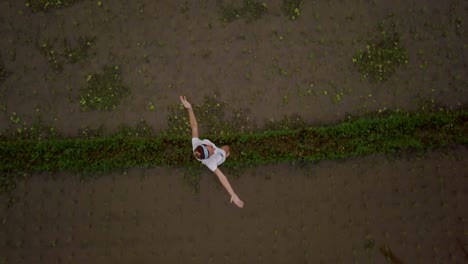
(226, 149)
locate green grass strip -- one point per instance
(364, 136)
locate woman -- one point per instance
(210, 155)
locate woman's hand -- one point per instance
(185, 102)
(237, 201)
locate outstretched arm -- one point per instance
(224, 181)
(193, 120)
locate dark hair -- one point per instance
(199, 153)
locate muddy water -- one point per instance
(330, 212)
(304, 66)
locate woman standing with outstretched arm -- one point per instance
(210, 155)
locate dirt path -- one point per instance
(332, 212)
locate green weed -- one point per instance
(241, 122)
(382, 55)
(229, 12)
(3, 72)
(80, 52)
(69, 53)
(90, 133)
(254, 10)
(45, 5)
(36, 131)
(210, 115)
(184, 8)
(192, 173)
(103, 91)
(178, 122)
(292, 8)
(459, 28)
(14, 118)
(369, 243)
(8, 182)
(292, 122)
(251, 10)
(52, 55)
(141, 129)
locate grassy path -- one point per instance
(364, 136)
(359, 137)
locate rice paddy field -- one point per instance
(86, 69)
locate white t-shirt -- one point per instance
(218, 157)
